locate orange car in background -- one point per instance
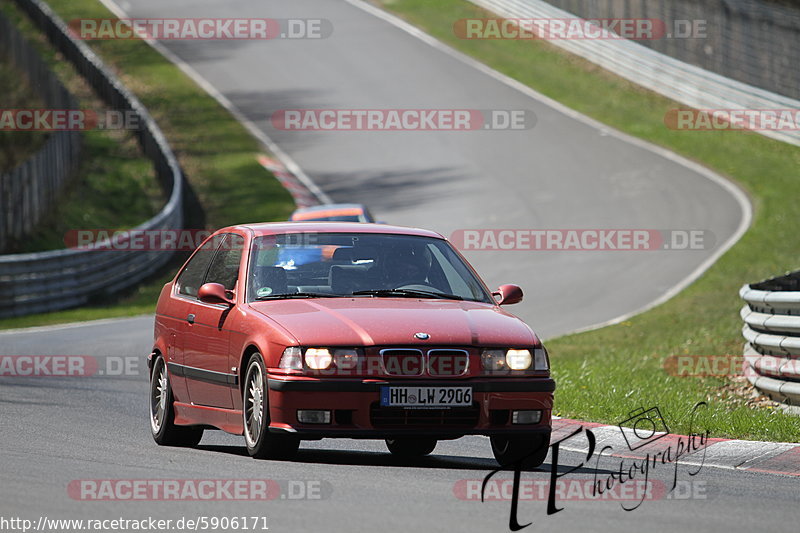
(333, 213)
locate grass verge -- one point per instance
(114, 184)
(604, 374)
(217, 154)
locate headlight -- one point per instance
(519, 359)
(291, 359)
(494, 360)
(318, 358)
(345, 358)
(514, 359)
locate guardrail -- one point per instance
(28, 191)
(680, 81)
(751, 41)
(772, 330)
(48, 281)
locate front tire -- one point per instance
(261, 444)
(411, 447)
(531, 451)
(162, 413)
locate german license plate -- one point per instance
(426, 396)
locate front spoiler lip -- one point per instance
(392, 432)
(353, 385)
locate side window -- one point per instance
(192, 276)
(224, 268)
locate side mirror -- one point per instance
(213, 293)
(508, 294)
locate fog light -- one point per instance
(308, 416)
(526, 417)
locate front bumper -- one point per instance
(356, 411)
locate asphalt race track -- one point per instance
(560, 174)
(563, 173)
(60, 431)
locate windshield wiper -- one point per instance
(298, 295)
(414, 293)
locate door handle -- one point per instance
(190, 318)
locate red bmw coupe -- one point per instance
(294, 331)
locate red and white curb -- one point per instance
(303, 197)
(752, 456)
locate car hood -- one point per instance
(394, 321)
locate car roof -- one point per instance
(272, 228)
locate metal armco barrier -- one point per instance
(28, 191)
(772, 330)
(664, 74)
(751, 41)
(48, 281)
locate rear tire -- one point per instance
(261, 444)
(162, 413)
(411, 446)
(531, 451)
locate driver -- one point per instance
(406, 264)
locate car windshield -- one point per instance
(310, 264)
